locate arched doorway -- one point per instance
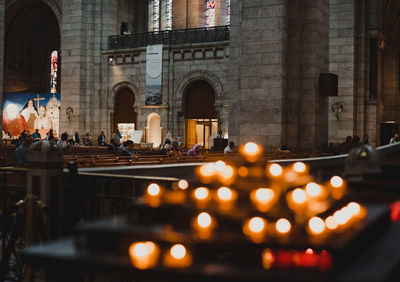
(125, 117)
(32, 33)
(154, 129)
(201, 118)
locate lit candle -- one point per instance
(207, 172)
(299, 167)
(338, 187)
(177, 257)
(274, 170)
(307, 259)
(297, 200)
(263, 198)
(226, 197)
(255, 229)
(226, 175)
(283, 226)
(201, 197)
(183, 184)
(268, 258)
(316, 226)
(251, 151)
(144, 255)
(203, 224)
(153, 195)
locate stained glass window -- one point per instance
(168, 14)
(53, 72)
(228, 18)
(156, 15)
(210, 13)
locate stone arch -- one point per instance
(199, 75)
(117, 88)
(154, 129)
(54, 5)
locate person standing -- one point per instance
(117, 136)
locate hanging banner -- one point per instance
(28, 111)
(154, 74)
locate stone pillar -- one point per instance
(2, 31)
(306, 116)
(85, 30)
(44, 177)
(342, 46)
(257, 77)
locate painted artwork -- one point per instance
(154, 74)
(25, 111)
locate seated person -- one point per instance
(112, 147)
(229, 148)
(175, 150)
(166, 148)
(21, 152)
(63, 141)
(195, 151)
(36, 135)
(127, 148)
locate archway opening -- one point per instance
(154, 129)
(201, 118)
(125, 117)
(32, 33)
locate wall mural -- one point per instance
(30, 111)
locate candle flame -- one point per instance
(178, 251)
(183, 184)
(153, 189)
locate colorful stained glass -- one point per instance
(168, 14)
(228, 18)
(210, 13)
(156, 15)
(53, 72)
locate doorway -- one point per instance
(388, 129)
(201, 118)
(154, 129)
(125, 117)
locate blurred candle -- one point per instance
(251, 151)
(316, 225)
(177, 257)
(274, 170)
(307, 259)
(299, 167)
(201, 196)
(297, 200)
(338, 187)
(255, 229)
(268, 258)
(183, 184)
(263, 198)
(203, 225)
(283, 226)
(153, 195)
(144, 254)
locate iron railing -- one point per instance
(169, 37)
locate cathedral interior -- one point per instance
(243, 140)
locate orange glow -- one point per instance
(201, 193)
(256, 224)
(208, 170)
(313, 189)
(331, 223)
(268, 258)
(177, 257)
(243, 171)
(144, 254)
(262, 198)
(225, 194)
(226, 173)
(275, 170)
(251, 151)
(316, 225)
(183, 184)
(299, 196)
(354, 208)
(204, 220)
(336, 182)
(153, 190)
(299, 167)
(309, 251)
(219, 165)
(283, 226)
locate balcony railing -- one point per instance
(169, 37)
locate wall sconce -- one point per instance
(337, 108)
(69, 111)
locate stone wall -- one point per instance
(2, 18)
(342, 62)
(306, 57)
(85, 30)
(181, 65)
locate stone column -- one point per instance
(342, 46)
(257, 77)
(85, 30)
(44, 178)
(2, 27)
